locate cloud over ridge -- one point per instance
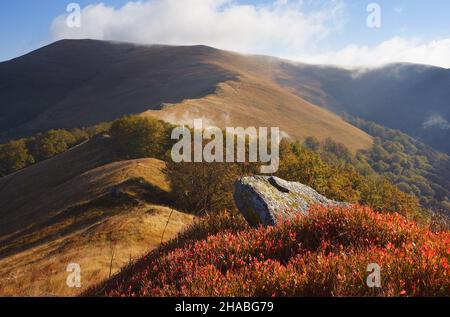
(280, 26)
(293, 29)
(396, 49)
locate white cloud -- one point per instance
(294, 29)
(436, 120)
(283, 26)
(396, 49)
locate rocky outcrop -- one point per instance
(267, 199)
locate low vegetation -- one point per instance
(325, 253)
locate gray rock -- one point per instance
(267, 199)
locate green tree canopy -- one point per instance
(14, 156)
(51, 143)
(136, 137)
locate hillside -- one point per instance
(324, 253)
(416, 93)
(82, 82)
(80, 207)
(35, 193)
(250, 101)
(105, 198)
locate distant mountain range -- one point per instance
(412, 98)
(75, 83)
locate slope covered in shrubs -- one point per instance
(325, 253)
(409, 164)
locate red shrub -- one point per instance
(325, 253)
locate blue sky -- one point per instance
(415, 30)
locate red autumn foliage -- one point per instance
(325, 253)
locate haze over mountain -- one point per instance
(409, 97)
(76, 83)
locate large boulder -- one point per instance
(267, 199)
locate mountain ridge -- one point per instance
(74, 83)
(132, 79)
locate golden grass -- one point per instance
(41, 270)
(256, 98)
(74, 218)
(250, 101)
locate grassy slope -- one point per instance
(35, 193)
(130, 232)
(61, 211)
(111, 80)
(252, 102)
(255, 98)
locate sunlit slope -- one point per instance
(104, 245)
(42, 190)
(79, 207)
(77, 83)
(252, 102)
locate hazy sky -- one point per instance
(317, 31)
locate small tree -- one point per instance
(203, 187)
(52, 143)
(14, 156)
(312, 143)
(138, 137)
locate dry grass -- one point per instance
(250, 101)
(69, 214)
(42, 190)
(41, 270)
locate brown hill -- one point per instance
(83, 82)
(80, 207)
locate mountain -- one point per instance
(83, 207)
(76, 83)
(409, 97)
(80, 83)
